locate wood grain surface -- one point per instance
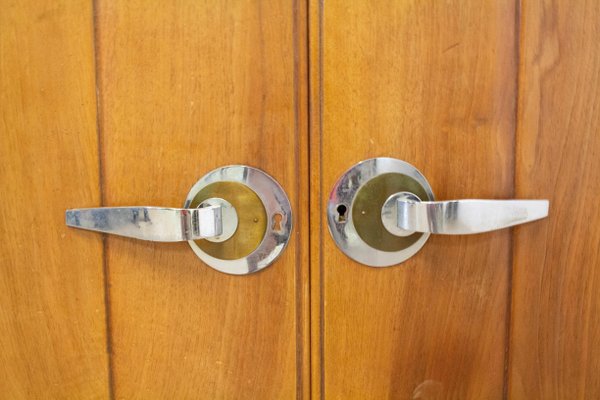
(555, 336)
(186, 88)
(52, 321)
(316, 217)
(434, 84)
(488, 99)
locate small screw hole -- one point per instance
(341, 212)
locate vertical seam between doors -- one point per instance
(101, 175)
(509, 302)
(321, 231)
(314, 184)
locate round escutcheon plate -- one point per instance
(264, 219)
(355, 208)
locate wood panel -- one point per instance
(315, 22)
(52, 321)
(187, 87)
(555, 337)
(432, 83)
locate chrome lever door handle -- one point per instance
(237, 219)
(457, 217)
(155, 223)
(382, 211)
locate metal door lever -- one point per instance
(152, 223)
(404, 214)
(237, 219)
(382, 211)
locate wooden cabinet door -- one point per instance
(110, 103)
(489, 99)
(114, 102)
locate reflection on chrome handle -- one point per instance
(466, 216)
(150, 223)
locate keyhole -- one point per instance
(341, 212)
(277, 218)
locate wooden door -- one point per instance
(489, 99)
(120, 102)
(130, 103)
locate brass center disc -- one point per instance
(366, 210)
(252, 220)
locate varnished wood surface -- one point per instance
(432, 83)
(316, 216)
(52, 321)
(186, 88)
(555, 336)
